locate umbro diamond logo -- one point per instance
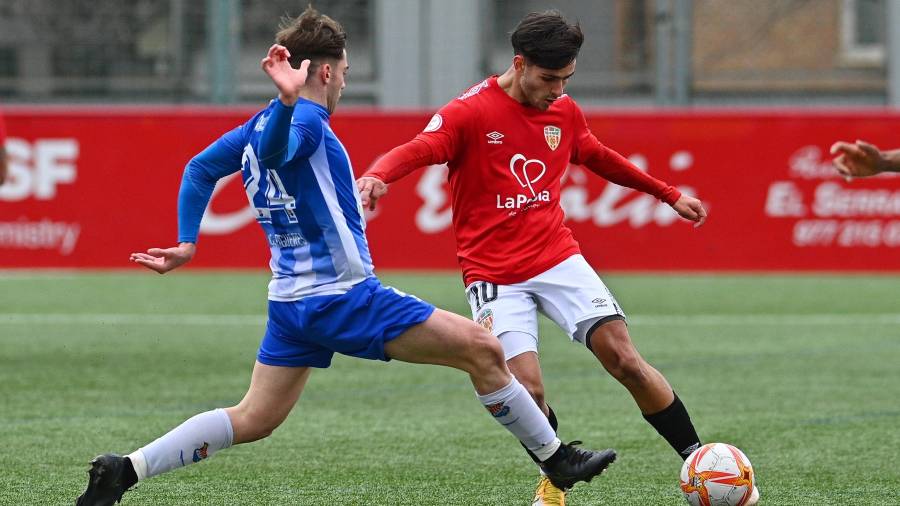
(495, 137)
(599, 302)
(690, 449)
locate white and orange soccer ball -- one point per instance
(718, 474)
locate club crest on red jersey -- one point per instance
(552, 135)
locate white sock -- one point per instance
(514, 408)
(194, 440)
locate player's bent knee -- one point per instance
(627, 368)
(484, 351)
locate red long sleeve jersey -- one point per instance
(506, 161)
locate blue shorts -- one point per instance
(309, 331)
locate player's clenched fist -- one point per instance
(370, 190)
(690, 208)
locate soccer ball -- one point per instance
(718, 474)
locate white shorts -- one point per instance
(570, 293)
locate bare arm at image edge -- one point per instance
(861, 159)
(2, 164)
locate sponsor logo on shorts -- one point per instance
(599, 302)
(486, 320)
(498, 410)
(201, 453)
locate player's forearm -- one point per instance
(193, 196)
(275, 138)
(615, 168)
(891, 160)
(402, 160)
(3, 165)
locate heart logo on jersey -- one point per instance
(522, 174)
(552, 135)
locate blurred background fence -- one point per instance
(420, 53)
(728, 67)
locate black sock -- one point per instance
(674, 425)
(129, 477)
(552, 417)
(553, 423)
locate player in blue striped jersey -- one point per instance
(323, 297)
(300, 193)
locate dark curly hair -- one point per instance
(547, 40)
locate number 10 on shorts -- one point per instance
(482, 292)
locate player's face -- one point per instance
(543, 86)
(337, 83)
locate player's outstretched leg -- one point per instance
(659, 404)
(526, 367)
(451, 340)
(273, 392)
(194, 440)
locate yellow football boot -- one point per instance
(548, 495)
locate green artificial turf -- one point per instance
(800, 372)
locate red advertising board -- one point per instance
(88, 186)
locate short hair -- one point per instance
(547, 40)
(311, 36)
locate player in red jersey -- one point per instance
(507, 142)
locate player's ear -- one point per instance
(325, 72)
(519, 63)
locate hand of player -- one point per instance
(370, 190)
(857, 160)
(690, 208)
(2, 165)
(287, 79)
(165, 260)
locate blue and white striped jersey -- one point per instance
(303, 193)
